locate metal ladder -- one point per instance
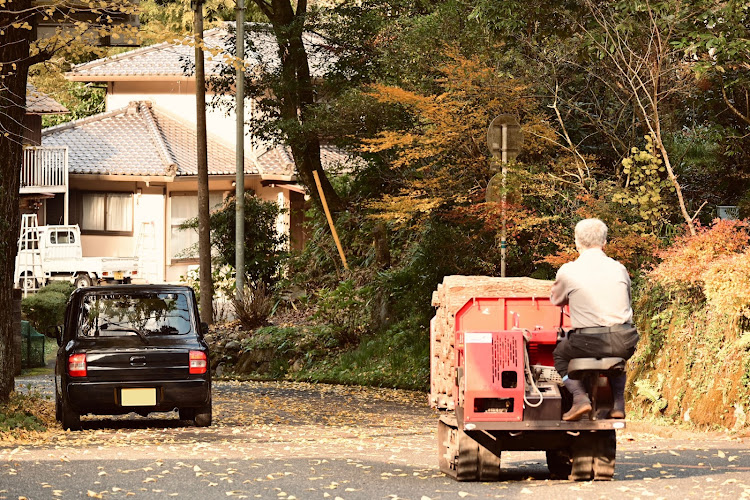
(145, 248)
(29, 256)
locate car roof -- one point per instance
(166, 288)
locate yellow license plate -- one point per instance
(138, 397)
(118, 275)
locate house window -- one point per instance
(106, 212)
(183, 243)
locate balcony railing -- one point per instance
(44, 170)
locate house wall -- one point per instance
(178, 99)
(32, 130)
(175, 268)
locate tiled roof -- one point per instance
(170, 59)
(38, 103)
(143, 139)
(138, 140)
(278, 160)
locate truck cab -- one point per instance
(54, 253)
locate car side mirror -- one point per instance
(204, 328)
(55, 332)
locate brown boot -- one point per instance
(578, 410)
(616, 413)
(617, 382)
(581, 402)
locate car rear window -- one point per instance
(129, 314)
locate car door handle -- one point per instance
(138, 360)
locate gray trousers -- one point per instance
(620, 344)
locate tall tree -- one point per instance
(19, 50)
(204, 224)
(296, 94)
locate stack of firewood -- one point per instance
(450, 296)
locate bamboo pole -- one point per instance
(330, 221)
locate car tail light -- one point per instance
(77, 365)
(198, 362)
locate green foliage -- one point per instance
(46, 308)
(81, 100)
(646, 186)
(345, 309)
(264, 245)
(396, 357)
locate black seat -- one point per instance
(591, 368)
(577, 367)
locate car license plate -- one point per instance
(138, 397)
(118, 275)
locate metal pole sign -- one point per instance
(504, 139)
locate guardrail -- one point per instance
(44, 169)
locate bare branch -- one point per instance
(731, 106)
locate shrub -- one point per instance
(46, 309)
(255, 307)
(264, 245)
(345, 309)
(23, 413)
(684, 264)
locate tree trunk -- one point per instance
(204, 222)
(298, 95)
(14, 53)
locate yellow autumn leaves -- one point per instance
(646, 186)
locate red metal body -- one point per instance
(490, 353)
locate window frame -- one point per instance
(105, 231)
(186, 260)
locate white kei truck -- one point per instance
(48, 253)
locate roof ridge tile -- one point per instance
(87, 119)
(145, 109)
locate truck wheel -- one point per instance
(70, 419)
(82, 281)
(187, 414)
(27, 283)
(58, 408)
(559, 463)
(203, 416)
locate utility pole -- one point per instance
(239, 242)
(504, 139)
(204, 223)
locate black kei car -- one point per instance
(132, 348)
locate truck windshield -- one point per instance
(128, 314)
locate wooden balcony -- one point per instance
(44, 170)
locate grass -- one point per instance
(398, 358)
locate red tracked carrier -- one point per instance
(490, 354)
(500, 343)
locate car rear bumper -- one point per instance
(105, 397)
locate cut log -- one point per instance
(450, 296)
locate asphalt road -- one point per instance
(303, 441)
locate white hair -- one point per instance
(591, 233)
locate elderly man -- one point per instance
(597, 290)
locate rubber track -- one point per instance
(594, 456)
(464, 459)
(489, 465)
(604, 461)
(467, 461)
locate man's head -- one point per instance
(590, 233)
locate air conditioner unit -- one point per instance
(730, 212)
